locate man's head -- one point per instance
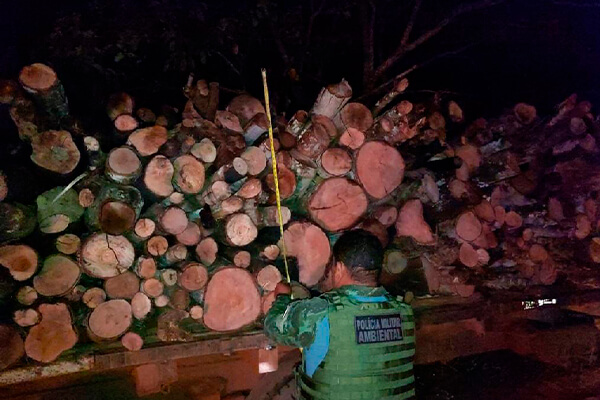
(357, 259)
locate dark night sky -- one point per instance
(538, 51)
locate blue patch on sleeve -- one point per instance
(369, 299)
(315, 354)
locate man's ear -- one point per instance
(339, 271)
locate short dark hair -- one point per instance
(360, 251)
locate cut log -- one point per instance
(232, 172)
(525, 113)
(105, 256)
(41, 82)
(55, 151)
(310, 246)
(179, 299)
(144, 228)
(157, 246)
(332, 99)
(229, 121)
(191, 235)
(513, 220)
(109, 320)
(231, 301)
(255, 159)
(176, 198)
(140, 305)
(58, 276)
(20, 260)
(386, 214)
(311, 144)
(250, 189)
(161, 301)
(174, 254)
(555, 209)
(267, 301)
(125, 124)
(268, 277)
(239, 230)
(11, 346)
(86, 198)
(500, 214)
(468, 226)
(68, 243)
(470, 155)
(352, 138)
(173, 220)
(245, 107)
(336, 161)
(287, 181)
(537, 253)
(53, 335)
(584, 226)
(147, 141)
(93, 297)
(145, 267)
(123, 165)
(123, 286)
(242, 259)
(270, 252)
(119, 104)
(116, 217)
(132, 341)
(27, 295)
(255, 128)
(357, 116)
(193, 277)
(152, 287)
(379, 168)
(196, 312)
(27, 317)
(337, 204)
(158, 175)
(207, 250)
(205, 151)
(468, 255)
(394, 262)
(189, 174)
(168, 277)
(411, 223)
(485, 211)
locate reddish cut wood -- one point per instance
(132, 341)
(513, 220)
(267, 302)
(337, 204)
(20, 260)
(191, 235)
(245, 107)
(193, 277)
(26, 317)
(310, 246)
(207, 250)
(538, 253)
(313, 142)
(525, 113)
(110, 320)
(485, 211)
(379, 168)
(53, 335)
(411, 223)
(58, 276)
(68, 243)
(231, 300)
(147, 141)
(144, 227)
(153, 287)
(157, 246)
(104, 256)
(38, 77)
(140, 305)
(123, 165)
(255, 159)
(287, 181)
(470, 155)
(250, 189)
(268, 277)
(11, 346)
(468, 226)
(189, 174)
(145, 267)
(352, 138)
(174, 220)
(240, 230)
(86, 198)
(55, 151)
(468, 255)
(93, 297)
(242, 259)
(387, 215)
(336, 161)
(125, 124)
(270, 252)
(123, 286)
(158, 175)
(356, 115)
(116, 217)
(196, 312)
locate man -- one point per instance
(358, 341)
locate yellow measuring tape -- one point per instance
(275, 179)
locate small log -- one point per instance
(55, 151)
(119, 104)
(152, 287)
(11, 346)
(68, 243)
(242, 259)
(485, 211)
(583, 226)
(270, 252)
(109, 320)
(255, 159)
(379, 168)
(468, 226)
(231, 300)
(232, 172)
(123, 165)
(352, 138)
(174, 255)
(93, 297)
(105, 256)
(27, 295)
(179, 299)
(250, 189)
(161, 301)
(144, 228)
(176, 198)
(146, 116)
(147, 141)
(157, 246)
(500, 214)
(173, 220)
(287, 140)
(471, 157)
(394, 262)
(41, 82)
(267, 301)
(238, 230)
(228, 121)
(332, 99)
(287, 181)
(207, 251)
(297, 123)
(337, 204)
(27, 317)
(158, 175)
(245, 107)
(145, 267)
(411, 223)
(193, 277)
(116, 217)
(58, 276)
(310, 246)
(311, 144)
(191, 235)
(196, 312)
(168, 276)
(20, 260)
(386, 214)
(227, 207)
(468, 256)
(255, 128)
(525, 113)
(189, 174)
(537, 253)
(86, 198)
(132, 341)
(53, 335)
(125, 124)
(268, 277)
(555, 210)
(513, 220)
(123, 286)
(205, 151)
(336, 162)
(140, 305)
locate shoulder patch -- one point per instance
(371, 329)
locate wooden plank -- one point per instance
(35, 372)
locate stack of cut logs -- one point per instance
(169, 221)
